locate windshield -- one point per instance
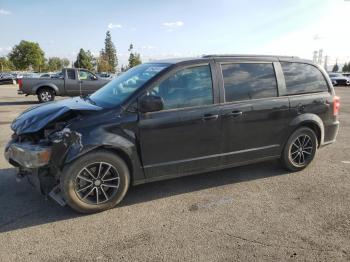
(119, 89)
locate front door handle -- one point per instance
(207, 117)
(235, 113)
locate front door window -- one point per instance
(186, 88)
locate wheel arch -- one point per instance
(123, 155)
(135, 169)
(52, 87)
(311, 121)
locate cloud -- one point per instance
(148, 47)
(172, 25)
(5, 50)
(319, 37)
(4, 12)
(112, 26)
(322, 33)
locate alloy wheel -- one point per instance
(301, 150)
(97, 183)
(45, 96)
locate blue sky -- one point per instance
(161, 29)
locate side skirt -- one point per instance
(165, 177)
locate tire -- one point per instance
(300, 149)
(74, 182)
(46, 94)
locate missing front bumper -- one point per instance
(38, 178)
(32, 163)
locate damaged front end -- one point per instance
(32, 159)
(38, 148)
(39, 158)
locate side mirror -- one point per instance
(150, 103)
(93, 77)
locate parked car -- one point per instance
(30, 75)
(171, 118)
(106, 75)
(58, 75)
(69, 82)
(6, 78)
(346, 74)
(339, 79)
(46, 75)
(16, 76)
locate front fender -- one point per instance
(73, 145)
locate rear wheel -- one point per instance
(46, 94)
(95, 182)
(300, 149)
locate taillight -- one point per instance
(20, 83)
(336, 105)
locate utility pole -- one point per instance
(320, 56)
(314, 58)
(326, 62)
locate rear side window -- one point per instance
(303, 78)
(244, 81)
(71, 73)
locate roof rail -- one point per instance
(237, 55)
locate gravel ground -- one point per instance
(258, 212)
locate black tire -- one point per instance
(46, 94)
(71, 182)
(300, 149)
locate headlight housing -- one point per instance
(28, 155)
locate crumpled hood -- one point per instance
(37, 117)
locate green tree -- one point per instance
(54, 64)
(27, 55)
(84, 60)
(65, 62)
(335, 68)
(5, 64)
(102, 62)
(109, 53)
(344, 68)
(124, 68)
(134, 58)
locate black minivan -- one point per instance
(172, 118)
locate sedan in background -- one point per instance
(106, 75)
(6, 79)
(339, 79)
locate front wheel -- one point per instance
(46, 95)
(300, 149)
(95, 182)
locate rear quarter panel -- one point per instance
(31, 85)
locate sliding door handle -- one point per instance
(207, 117)
(234, 113)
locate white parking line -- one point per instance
(346, 162)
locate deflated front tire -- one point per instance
(95, 182)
